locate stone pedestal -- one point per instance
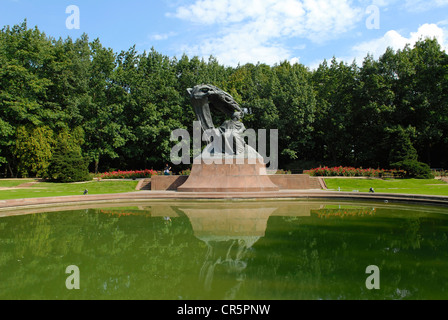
(239, 175)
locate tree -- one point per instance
(421, 74)
(68, 166)
(373, 109)
(296, 104)
(151, 108)
(404, 156)
(23, 53)
(104, 132)
(33, 150)
(335, 88)
(67, 163)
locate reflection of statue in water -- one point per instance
(229, 232)
(231, 254)
(228, 139)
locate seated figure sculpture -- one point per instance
(227, 140)
(227, 163)
(232, 132)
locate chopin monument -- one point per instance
(227, 163)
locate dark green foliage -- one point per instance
(400, 145)
(404, 156)
(123, 106)
(414, 169)
(67, 163)
(68, 166)
(33, 150)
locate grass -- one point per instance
(408, 186)
(13, 183)
(47, 189)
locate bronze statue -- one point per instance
(206, 98)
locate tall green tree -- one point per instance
(296, 103)
(23, 88)
(102, 113)
(421, 95)
(67, 163)
(33, 150)
(373, 109)
(335, 85)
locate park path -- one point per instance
(26, 185)
(29, 184)
(23, 185)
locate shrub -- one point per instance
(415, 169)
(404, 156)
(68, 166)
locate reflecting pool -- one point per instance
(252, 250)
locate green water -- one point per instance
(227, 250)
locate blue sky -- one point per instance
(235, 31)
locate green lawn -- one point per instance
(13, 183)
(409, 186)
(47, 189)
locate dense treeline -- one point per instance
(117, 110)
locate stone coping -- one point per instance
(8, 205)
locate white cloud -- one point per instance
(424, 5)
(242, 48)
(221, 11)
(294, 60)
(396, 41)
(255, 30)
(327, 19)
(162, 36)
(410, 5)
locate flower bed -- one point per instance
(129, 174)
(355, 172)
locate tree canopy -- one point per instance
(120, 107)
